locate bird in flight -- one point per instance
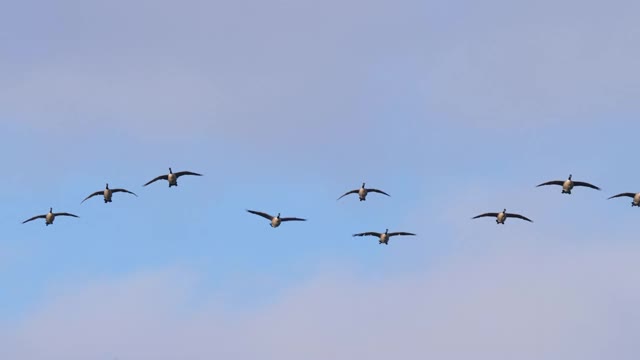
(275, 220)
(362, 192)
(383, 238)
(568, 184)
(634, 202)
(501, 217)
(49, 217)
(107, 194)
(172, 177)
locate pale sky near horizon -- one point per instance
(454, 108)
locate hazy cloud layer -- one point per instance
(543, 62)
(517, 301)
(300, 71)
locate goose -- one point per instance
(172, 177)
(107, 193)
(568, 184)
(362, 192)
(501, 217)
(384, 237)
(636, 198)
(49, 217)
(275, 220)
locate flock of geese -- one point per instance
(567, 186)
(107, 194)
(172, 179)
(362, 192)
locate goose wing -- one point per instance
(35, 217)
(585, 184)
(123, 190)
(518, 216)
(377, 191)
(92, 195)
(65, 214)
(623, 194)
(371, 233)
(400, 233)
(180, 173)
(161, 177)
(349, 192)
(259, 213)
(292, 219)
(485, 215)
(554, 182)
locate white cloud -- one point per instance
(520, 301)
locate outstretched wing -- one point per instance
(123, 190)
(292, 219)
(368, 234)
(161, 177)
(400, 233)
(377, 191)
(554, 182)
(485, 215)
(582, 183)
(65, 214)
(259, 213)
(623, 194)
(178, 174)
(349, 192)
(518, 216)
(35, 217)
(92, 195)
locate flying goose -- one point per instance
(275, 220)
(636, 198)
(172, 177)
(49, 217)
(501, 217)
(568, 184)
(107, 193)
(362, 193)
(384, 237)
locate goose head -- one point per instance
(386, 231)
(504, 211)
(50, 209)
(107, 186)
(278, 217)
(569, 176)
(363, 185)
(170, 172)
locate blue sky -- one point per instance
(454, 108)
